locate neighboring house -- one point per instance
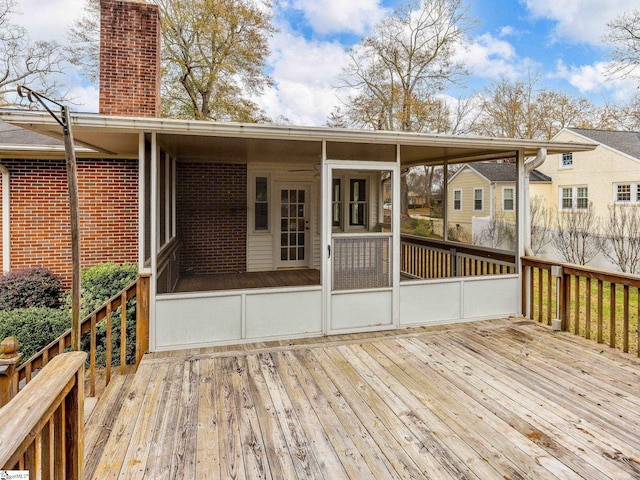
(487, 190)
(608, 175)
(249, 232)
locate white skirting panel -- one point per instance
(459, 299)
(284, 314)
(216, 318)
(359, 310)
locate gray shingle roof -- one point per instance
(625, 142)
(505, 172)
(18, 136)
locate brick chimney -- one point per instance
(130, 35)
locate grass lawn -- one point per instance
(590, 305)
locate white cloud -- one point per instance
(304, 72)
(48, 19)
(595, 80)
(489, 57)
(579, 20)
(340, 16)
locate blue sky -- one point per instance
(558, 39)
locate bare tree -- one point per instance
(84, 41)
(576, 237)
(624, 34)
(26, 62)
(521, 110)
(541, 219)
(621, 243)
(396, 72)
(497, 233)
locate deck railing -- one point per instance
(596, 304)
(41, 429)
(138, 289)
(428, 258)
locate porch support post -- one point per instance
(325, 235)
(395, 241)
(154, 238)
(445, 201)
(521, 222)
(141, 201)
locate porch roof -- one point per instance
(119, 136)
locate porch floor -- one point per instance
(234, 281)
(487, 400)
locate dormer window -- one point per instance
(567, 160)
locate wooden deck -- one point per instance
(505, 399)
(234, 281)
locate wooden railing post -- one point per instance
(142, 316)
(565, 300)
(74, 429)
(454, 262)
(9, 360)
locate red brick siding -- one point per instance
(130, 35)
(212, 217)
(40, 236)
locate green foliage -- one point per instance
(103, 281)
(99, 284)
(30, 287)
(419, 227)
(34, 328)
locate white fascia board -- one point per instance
(239, 130)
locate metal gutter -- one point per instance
(38, 121)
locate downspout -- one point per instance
(530, 165)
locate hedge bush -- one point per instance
(99, 284)
(34, 328)
(30, 287)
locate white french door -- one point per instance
(293, 249)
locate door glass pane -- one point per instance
(293, 222)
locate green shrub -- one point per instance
(99, 284)
(418, 226)
(34, 328)
(103, 281)
(30, 287)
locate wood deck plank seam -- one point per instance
(560, 422)
(324, 451)
(496, 401)
(304, 460)
(430, 405)
(277, 450)
(392, 446)
(457, 408)
(548, 390)
(410, 424)
(356, 431)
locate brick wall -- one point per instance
(212, 217)
(40, 232)
(130, 35)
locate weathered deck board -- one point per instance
(501, 399)
(99, 425)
